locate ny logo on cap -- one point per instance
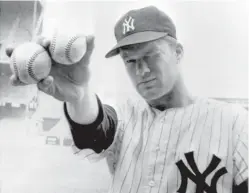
(128, 25)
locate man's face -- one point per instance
(152, 67)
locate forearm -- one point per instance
(85, 110)
(97, 135)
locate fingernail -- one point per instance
(47, 81)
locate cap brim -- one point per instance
(135, 38)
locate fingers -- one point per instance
(9, 50)
(89, 50)
(46, 85)
(90, 45)
(15, 81)
(44, 42)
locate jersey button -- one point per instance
(157, 148)
(152, 183)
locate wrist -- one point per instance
(84, 110)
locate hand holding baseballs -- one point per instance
(67, 48)
(64, 82)
(30, 63)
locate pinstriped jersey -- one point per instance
(198, 148)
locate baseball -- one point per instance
(67, 48)
(30, 62)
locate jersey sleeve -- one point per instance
(240, 147)
(102, 138)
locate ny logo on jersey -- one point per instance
(128, 25)
(197, 177)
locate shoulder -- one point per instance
(231, 114)
(228, 109)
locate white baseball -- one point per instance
(67, 48)
(30, 62)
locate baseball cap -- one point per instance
(141, 25)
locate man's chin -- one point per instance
(150, 95)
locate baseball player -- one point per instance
(167, 141)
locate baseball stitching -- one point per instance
(15, 66)
(30, 66)
(53, 43)
(68, 47)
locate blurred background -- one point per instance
(35, 154)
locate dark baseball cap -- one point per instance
(141, 25)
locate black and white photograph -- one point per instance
(135, 96)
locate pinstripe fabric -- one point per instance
(149, 144)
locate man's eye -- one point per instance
(153, 55)
(130, 61)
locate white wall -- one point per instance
(16, 22)
(16, 26)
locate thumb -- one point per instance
(46, 85)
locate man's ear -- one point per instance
(179, 52)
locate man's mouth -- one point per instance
(146, 82)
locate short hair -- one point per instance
(172, 42)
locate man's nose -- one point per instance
(142, 68)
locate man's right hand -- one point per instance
(65, 82)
